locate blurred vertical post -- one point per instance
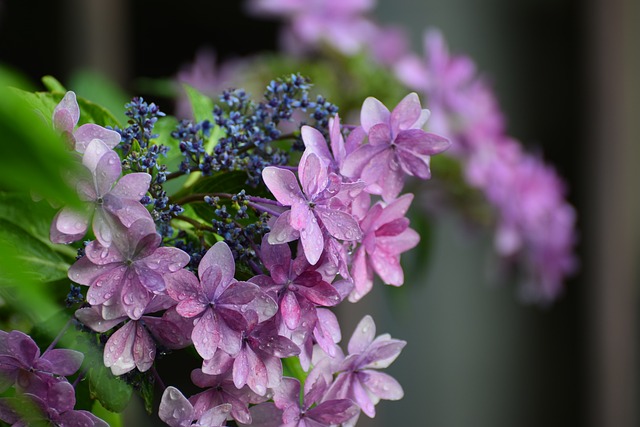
(614, 211)
(98, 38)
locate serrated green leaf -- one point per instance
(113, 393)
(52, 84)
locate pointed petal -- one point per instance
(406, 114)
(314, 142)
(312, 242)
(206, 335)
(283, 185)
(290, 310)
(362, 336)
(67, 113)
(107, 172)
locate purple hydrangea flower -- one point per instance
(397, 146)
(134, 344)
(65, 119)
(313, 411)
(315, 208)
(56, 408)
(131, 270)
(218, 303)
(22, 364)
(220, 389)
(358, 377)
(177, 411)
(337, 22)
(386, 236)
(109, 198)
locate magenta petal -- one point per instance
(219, 364)
(333, 411)
(421, 143)
(396, 209)
(359, 159)
(274, 254)
(388, 267)
(175, 409)
(372, 113)
(414, 165)
(256, 377)
(206, 334)
(219, 255)
(380, 135)
(118, 351)
(89, 131)
(362, 336)
(23, 348)
(399, 243)
(69, 225)
(230, 338)
(151, 280)
(315, 142)
(340, 224)
(321, 293)
(283, 185)
(313, 175)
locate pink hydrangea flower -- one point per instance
(358, 377)
(218, 303)
(177, 411)
(131, 270)
(397, 146)
(315, 210)
(386, 236)
(109, 198)
(65, 119)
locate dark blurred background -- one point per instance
(566, 74)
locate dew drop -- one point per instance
(104, 253)
(92, 301)
(174, 267)
(174, 394)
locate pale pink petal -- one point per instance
(362, 398)
(362, 336)
(103, 226)
(282, 231)
(372, 113)
(388, 267)
(314, 142)
(312, 242)
(93, 153)
(175, 409)
(118, 351)
(107, 172)
(85, 272)
(313, 175)
(358, 160)
(69, 226)
(283, 185)
(257, 378)
(402, 242)
(92, 318)
(102, 255)
(216, 416)
(414, 165)
(68, 105)
(421, 143)
(89, 131)
(406, 113)
(301, 215)
(133, 186)
(396, 209)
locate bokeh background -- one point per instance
(566, 74)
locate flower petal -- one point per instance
(283, 185)
(372, 113)
(219, 255)
(89, 131)
(362, 336)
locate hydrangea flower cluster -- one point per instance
(535, 225)
(329, 224)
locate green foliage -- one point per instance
(113, 393)
(201, 104)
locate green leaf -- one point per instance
(291, 368)
(201, 104)
(52, 84)
(111, 418)
(102, 91)
(35, 259)
(146, 392)
(113, 393)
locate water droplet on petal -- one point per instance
(174, 394)
(174, 267)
